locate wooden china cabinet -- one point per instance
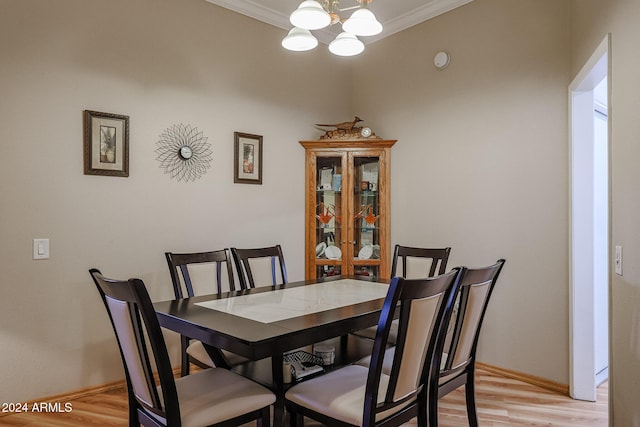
(347, 207)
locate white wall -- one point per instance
(481, 162)
(162, 63)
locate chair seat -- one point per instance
(340, 394)
(197, 351)
(216, 395)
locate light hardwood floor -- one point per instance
(500, 401)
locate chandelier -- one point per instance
(318, 14)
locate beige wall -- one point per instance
(592, 20)
(162, 63)
(481, 161)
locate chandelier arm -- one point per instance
(350, 8)
(333, 5)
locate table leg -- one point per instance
(344, 346)
(278, 389)
(217, 356)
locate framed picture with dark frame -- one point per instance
(247, 166)
(106, 144)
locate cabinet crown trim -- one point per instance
(349, 143)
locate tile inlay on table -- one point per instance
(281, 304)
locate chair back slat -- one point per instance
(419, 263)
(183, 261)
(474, 292)
(472, 303)
(412, 349)
(248, 260)
(127, 325)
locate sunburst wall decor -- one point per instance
(183, 152)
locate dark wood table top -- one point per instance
(256, 339)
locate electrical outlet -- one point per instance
(618, 260)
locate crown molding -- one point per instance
(416, 16)
(256, 10)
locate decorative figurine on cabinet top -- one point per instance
(348, 130)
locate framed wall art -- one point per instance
(106, 144)
(247, 168)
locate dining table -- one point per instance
(267, 322)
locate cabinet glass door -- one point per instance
(366, 209)
(329, 204)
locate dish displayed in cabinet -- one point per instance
(333, 252)
(365, 252)
(320, 249)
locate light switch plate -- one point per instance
(40, 248)
(618, 260)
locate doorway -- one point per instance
(589, 226)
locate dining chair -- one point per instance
(457, 366)
(194, 351)
(214, 396)
(419, 263)
(247, 274)
(357, 395)
(459, 355)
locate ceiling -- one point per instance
(395, 15)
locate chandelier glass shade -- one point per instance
(362, 23)
(310, 16)
(346, 44)
(318, 14)
(299, 40)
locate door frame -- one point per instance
(582, 373)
